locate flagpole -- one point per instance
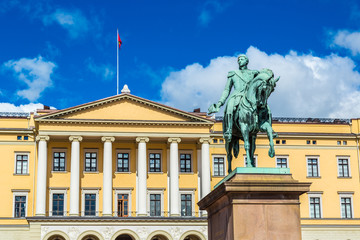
(117, 63)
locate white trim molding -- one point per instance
(21, 193)
(188, 191)
(156, 191)
(123, 191)
(121, 150)
(65, 150)
(187, 151)
(16, 153)
(89, 191)
(57, 191)
(318, 165)
(315, 195)
(213, 156)
(348, 165)
(346, 195)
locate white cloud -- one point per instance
(348, 40)
(35, 73)
(310, 86)
(72, 21)
(9, 107)
(105, 71)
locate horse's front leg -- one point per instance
(269, 131)
(245, 134)
(252, 150)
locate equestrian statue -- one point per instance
(246, 111)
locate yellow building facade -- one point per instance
(125, 167)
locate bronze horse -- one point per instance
(251, 116)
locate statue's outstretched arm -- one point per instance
(214, 108)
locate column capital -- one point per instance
(75, 138)
(42, 138)
(205, 140)
(174, 140)
(108, 139)
(142, 139)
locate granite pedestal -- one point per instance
(255, 204)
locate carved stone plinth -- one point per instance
(255, 206)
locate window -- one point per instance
(281, 162)
(338, 142)
(219, 166)
(308, 141)
(314, 142)
(154, 162)
(315, 209)
(58, 204)
(255, 160)
(123, 163)
(346, 206)
(91, 161)
(313, 167)
(19, 137)
(283, 141)
(215, 141)
(185, 162)
(19, 206)
(26, 137)
(186, 204)
(221, 140)
(90, 205)
(155, 204)
(90, 202)
(22, 163)
(123, 205)
(59, 160)
(343, 167)
(344, 142)
(123, 202)
(277, 141)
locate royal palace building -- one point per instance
(126, 168)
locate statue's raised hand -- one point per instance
(214, 108)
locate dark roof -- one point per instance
(14, 114)
(301, 120)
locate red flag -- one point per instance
(119, 40)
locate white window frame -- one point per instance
(213, 165)
(123, 191)
(192, 192)
(91, 150)
(15, 162)
(282, 156)
(347, 195)
(52, 159)
(349, 169)
(318, 165)
(192, 161)
(89, 191)
(156, 191)
(315, 195)
(128, 151)
(57, 191)
(256, 160)
(160, 151)
(20, 193)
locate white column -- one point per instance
(205, 164)
(41, 176)
(174, 176)
(75, 175)
(142, 175)
(107, 174)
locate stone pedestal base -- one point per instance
(255, 207)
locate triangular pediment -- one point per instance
(124, 107)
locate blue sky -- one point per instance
(63, 53)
